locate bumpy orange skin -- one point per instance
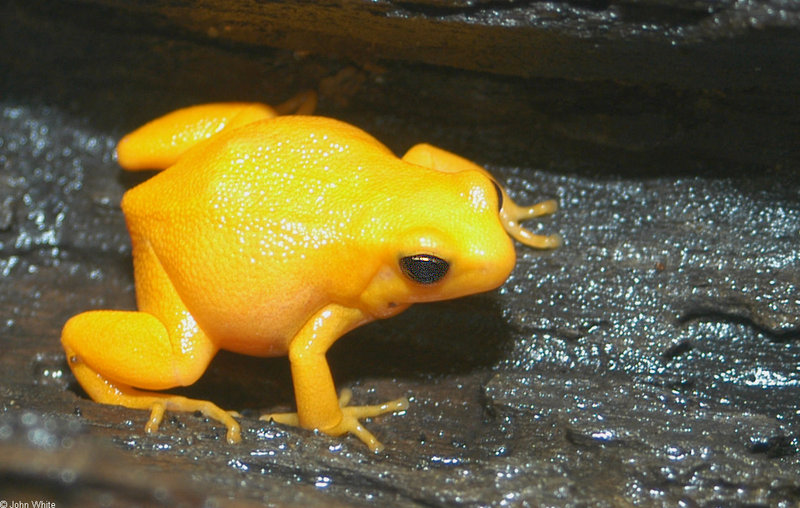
(274, 235)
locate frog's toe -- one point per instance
(391, 406)
(156, 415)
(351, 425)
(290, 419)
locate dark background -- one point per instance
(652, 360)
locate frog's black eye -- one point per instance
(424, 268)
(499, 196)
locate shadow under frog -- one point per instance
(458, 337)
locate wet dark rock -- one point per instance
(652, 360)
(706, 42)
(613, 368)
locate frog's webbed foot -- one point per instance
(106, 391)
(159, 404)
(351, 416)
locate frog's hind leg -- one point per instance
(110, 352)
(303, 103)
(116, 355)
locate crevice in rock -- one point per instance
(701, 315)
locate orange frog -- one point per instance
(275, 235)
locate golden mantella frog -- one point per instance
(275, 235)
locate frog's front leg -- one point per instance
(317, 404)
(111, 352)
(511, 214)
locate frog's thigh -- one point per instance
(156, 348)
(111, 352)
(131, 348)
(179, 340)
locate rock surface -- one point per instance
(652, 360)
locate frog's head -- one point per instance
(446, 239)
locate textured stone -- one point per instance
(705, 42)
(632, 363)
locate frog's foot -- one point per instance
(105, 391)
(303, 103)
(350, 418)
(159, 403)
(512, 214)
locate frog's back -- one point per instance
(260, 212)
(287, 158)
